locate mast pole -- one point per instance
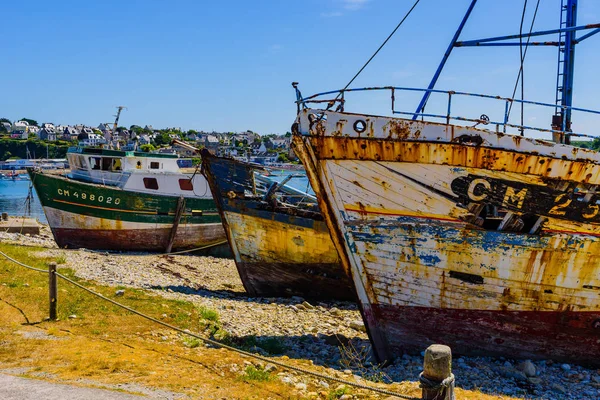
(569, 66)
(443, 62)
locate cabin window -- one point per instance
(154, 165)
(107, 164)
(150, 183)
(95, 162)
(186, 184)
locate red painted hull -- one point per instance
(153, 240)
(562, 336)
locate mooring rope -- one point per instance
(218, 344)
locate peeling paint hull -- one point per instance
(482, 241)
(84, 215)
(277, 252)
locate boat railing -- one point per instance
(448, 116)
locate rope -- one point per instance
(523, 55)
(165, 254)
(373, 56)
(221, 345)
(21, 264)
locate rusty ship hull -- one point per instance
(92, 216)
(486, 242)
(278, 250)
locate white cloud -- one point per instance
(354, 5)
(344, 6)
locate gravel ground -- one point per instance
(310, 331)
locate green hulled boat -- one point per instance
(168, 211)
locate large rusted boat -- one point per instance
(277, 235)
(481, 239)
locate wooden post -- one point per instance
(52, 290)
(437, 380)
(178, 214)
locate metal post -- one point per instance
(569, 63)
(437, 380)
(449, 108)
(443, 62)
(506, 108)
(52, 290)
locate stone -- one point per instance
(119, 293)
(528, 368)
(358, 326)
(270, 368)
(72, 316)
(308, 306)
(345, 397)
(535, 380)
(300, 386)
(324, 384)
(596, 378)
(334, 311)
(558, 388)
(287, 379)
(347, 372)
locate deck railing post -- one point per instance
(52, 290)
(449, 108)
(437, 380)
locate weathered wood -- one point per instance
(437, 381)
(178, 214)
(5, 216)
(52, 290)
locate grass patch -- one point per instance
(191, 342)
(256, 375)
(62, 259)
(337, 393)
(208, 314)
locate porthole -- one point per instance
(360, 126)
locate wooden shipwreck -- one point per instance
(281, 244)
(486, 241)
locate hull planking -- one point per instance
(482, 241)
(279, 251)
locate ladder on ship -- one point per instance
(564, 74)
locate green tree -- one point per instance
(5, 120)
(148, 148)
(162, 139)
(283, 157)
(30, 121)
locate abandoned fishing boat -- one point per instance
(129, 201)
(277, 235)
(481, 239)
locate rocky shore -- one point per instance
(330, 334)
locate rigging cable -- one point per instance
(373, 56)
(523, 55)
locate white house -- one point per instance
(91, 140)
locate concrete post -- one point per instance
(437, 380)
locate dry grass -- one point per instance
(106, 345)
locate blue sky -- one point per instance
(228, 65)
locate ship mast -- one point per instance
(561, 121)
(119, 109)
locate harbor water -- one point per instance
(13, 199)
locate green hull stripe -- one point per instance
(116, 204)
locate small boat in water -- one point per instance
(129, 201)
(477, 238)
(281, 244)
